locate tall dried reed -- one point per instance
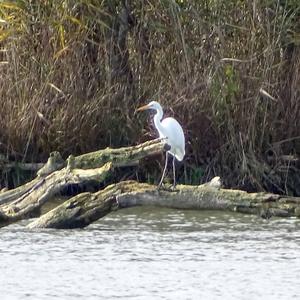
(72, 73)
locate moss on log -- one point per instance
(121, 157)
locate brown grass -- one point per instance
(229, 71)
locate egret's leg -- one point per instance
(174, 174)
(164, 171)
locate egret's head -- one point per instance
(152, 105)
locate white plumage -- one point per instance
(170, 129)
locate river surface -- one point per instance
(154, 254)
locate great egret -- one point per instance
(170, 129)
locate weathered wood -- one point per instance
(28, 166)
(121, 157)
(85, 208)
(81, 210)
(30, 204)
(26, 201)
(10, 195)
(22, 166)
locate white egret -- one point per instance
(170, 129)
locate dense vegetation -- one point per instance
(73, 72)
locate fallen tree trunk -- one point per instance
(29, 204)
(26, 201)
(126, 156)
(79, 211)
(85, 208)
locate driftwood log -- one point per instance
(79, 211)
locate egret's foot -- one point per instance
(173, 187)
(160, 186)
(168, 188)
(115, 205)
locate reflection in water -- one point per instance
(154, 254)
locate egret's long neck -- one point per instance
(157, 118)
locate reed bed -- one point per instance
(73, 72)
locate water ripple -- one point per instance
(150, 253)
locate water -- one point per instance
(154, 254)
